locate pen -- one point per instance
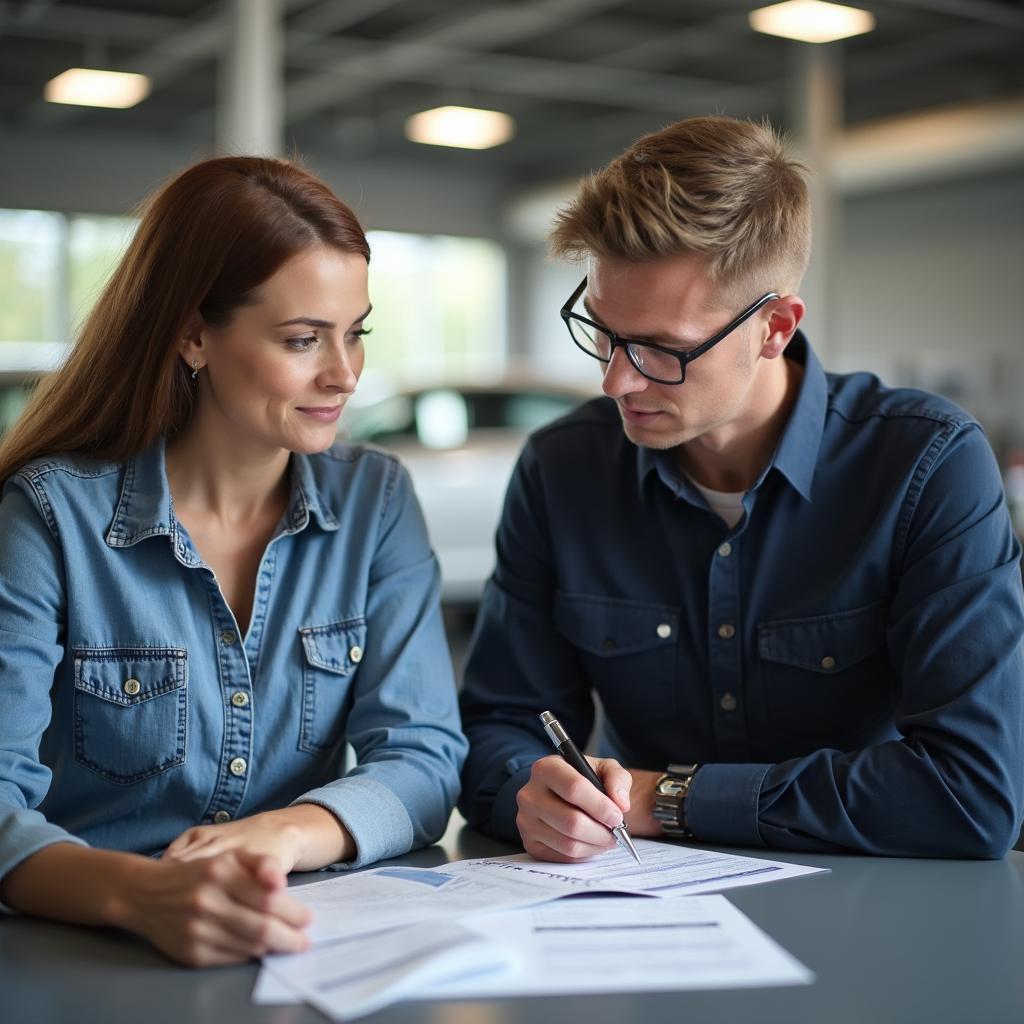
(565, 746)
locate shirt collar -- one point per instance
(146, 508)
(797, 454)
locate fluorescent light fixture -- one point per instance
(811, 21)
(464, 127)
(89, 87)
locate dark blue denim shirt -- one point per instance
(131, 707)
(845, 663)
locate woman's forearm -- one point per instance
(76, 884)
(217, 910)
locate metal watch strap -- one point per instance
(670, 792)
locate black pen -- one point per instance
(565, 746)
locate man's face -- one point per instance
(671, 302)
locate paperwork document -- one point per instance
(613, 944)
(384, 900)
(351, 977)
(388, 897)
(578, 946)
(667, 870)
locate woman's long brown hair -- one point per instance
(205, 241)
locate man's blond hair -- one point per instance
(720, 188)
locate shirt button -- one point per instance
(355, 654)
(228, 637)
(240, 699)
(828, 662)
(132, 687)
(727, 631)
(221, 818)
(664, 631)
(238, 766)
(725, 550)
(728, 702)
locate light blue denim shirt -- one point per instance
(131, 708)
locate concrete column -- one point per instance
(250, 109)
(816, 120)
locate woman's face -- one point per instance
(281, 371)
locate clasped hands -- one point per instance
(219, 893)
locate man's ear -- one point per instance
(191, 347)
(784, 317)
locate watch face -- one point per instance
(670, 787)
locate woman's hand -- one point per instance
(222, 909)
(304, 837)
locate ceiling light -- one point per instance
(465, 127)
(88, 87)
(811, 21)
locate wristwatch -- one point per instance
(670, 799)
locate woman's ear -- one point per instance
(783, 319)
(190, 344)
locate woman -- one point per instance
(201, 600)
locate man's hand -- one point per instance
(564, 818)
(301, 838)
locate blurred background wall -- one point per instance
(914, 129)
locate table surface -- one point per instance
(889, 939)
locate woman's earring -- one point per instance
(195, 369)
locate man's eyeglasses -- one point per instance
(656, 362)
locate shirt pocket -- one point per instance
(628, 650)
(827, 677)
(131, 711)
(330, 655)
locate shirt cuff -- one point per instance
(721, 806)
(375, 818)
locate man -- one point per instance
(796, 594)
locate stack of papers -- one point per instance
(489, 927)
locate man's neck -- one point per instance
(732, 459)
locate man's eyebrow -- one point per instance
(590, 312)
(664, 341)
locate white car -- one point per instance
(460, 443)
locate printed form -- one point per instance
(391, 908)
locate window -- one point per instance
(439, 301)
(95, 244)
(31, 269)
(438, 306)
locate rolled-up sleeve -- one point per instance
(404, 721)
(32, 613)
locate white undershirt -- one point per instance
(728, 504)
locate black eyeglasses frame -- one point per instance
(627, 343)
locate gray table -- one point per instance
(905, 941)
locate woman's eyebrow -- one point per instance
(310, 321)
